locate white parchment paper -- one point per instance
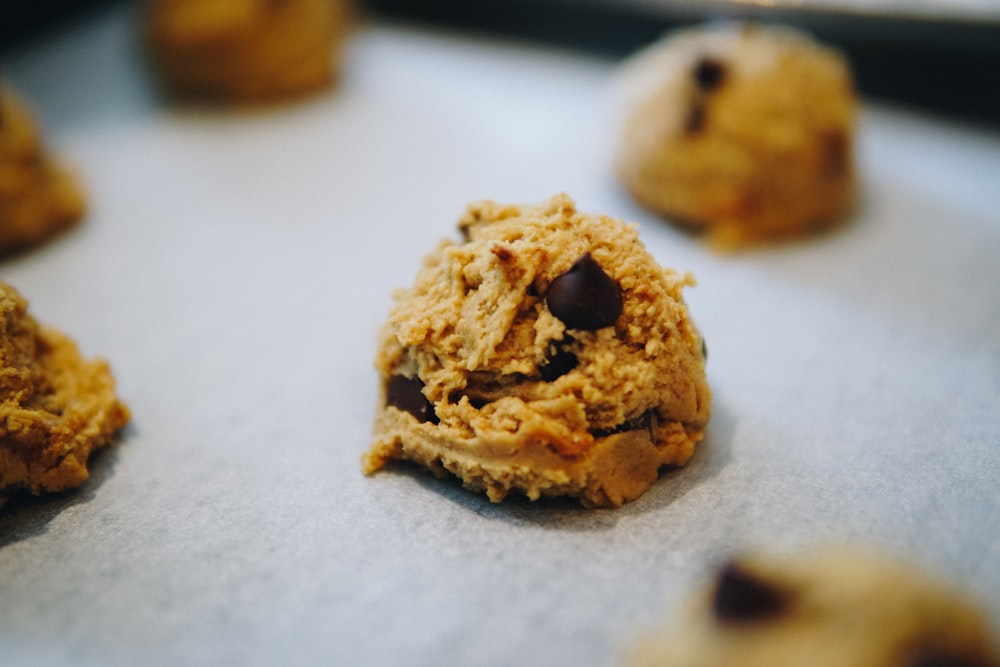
(234, 267)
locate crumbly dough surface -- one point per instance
(38, 198)
(55, 407)
(740, 130)
(836, 607)
(516, 400)
(244, 50)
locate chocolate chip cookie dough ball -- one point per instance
(833, 608)
(244, 50)
(55, 407)
(744, 131)
(546, 354)
(38, 198)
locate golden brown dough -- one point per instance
(244, 50)
(830, 607)
(37, 197)
(744, 131)
(547, 354)
(55, 407)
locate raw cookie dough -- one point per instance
(55, 407)
(547, 354)
(839, 607)
(244, 50)
(741, 130)
(37, 197)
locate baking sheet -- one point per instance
(234, 268)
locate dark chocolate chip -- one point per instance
(741, 597)
(709, 74)
(558, 364)
(407, 395)
(585, 297)
(704, 350)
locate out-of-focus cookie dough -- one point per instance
(244, 50)
(38, 198)
(742, 130)
(548, 354)
(838, 607)
(55, 407)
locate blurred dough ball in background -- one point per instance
(743, 131)
(837, 606)
(244, 50)
(38, 197)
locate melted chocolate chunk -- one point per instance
(558, 364)
(407, 395)
(741, 597)
(709, 74)
(585, 297)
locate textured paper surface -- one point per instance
(235, 266)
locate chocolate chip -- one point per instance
(704, 350)
(557, 365)
(585, 297)
(741, 597)
(407, 395)
(709, 74)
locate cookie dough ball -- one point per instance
(244, 50)
(37, 197)
(55, 407)
(833, 608)
(743, 131)
(548, 354)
